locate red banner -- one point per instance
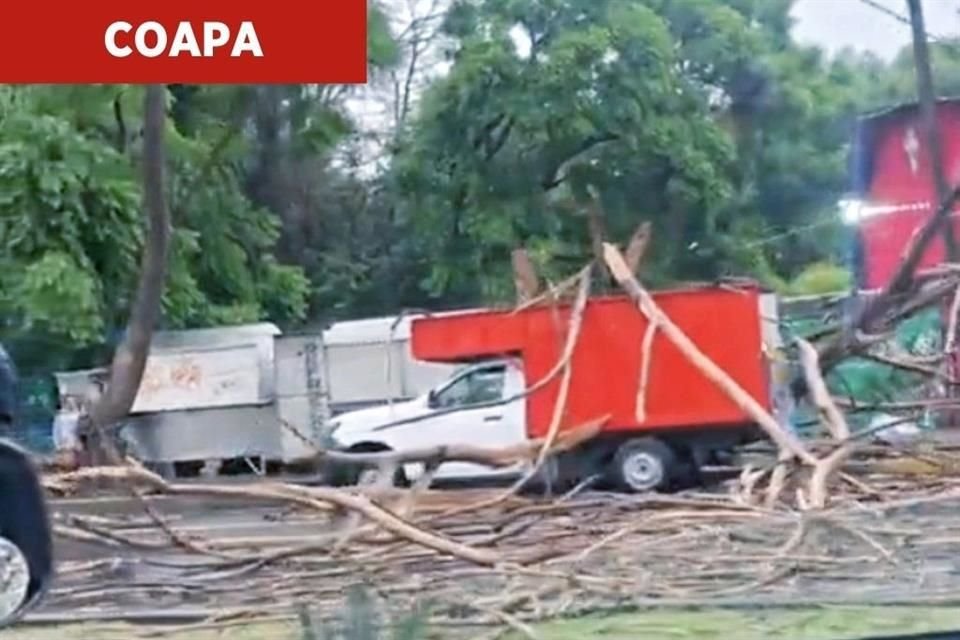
(189, 41)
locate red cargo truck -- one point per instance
(687, 419)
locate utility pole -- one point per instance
(931, 133)
(928, 118)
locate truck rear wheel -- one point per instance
(643, 464)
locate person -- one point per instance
(66, 439)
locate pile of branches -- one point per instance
(814, 517)
(485, 563)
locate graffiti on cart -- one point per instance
(213, 378)
(186, 375)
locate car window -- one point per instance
(476, 387)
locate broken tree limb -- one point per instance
(597, 227)
(819, 492)
(591, 427)
(525, 277)
(778, 479)
(831, 417)
(560, 406)
(910, 365)
(646, 350)
(637, 247)
(646, 304)
(871, 317)
(950, 341)
(321, 498)
(553, 293)
(490, 457)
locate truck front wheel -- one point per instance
(643, 464)
(358, 474)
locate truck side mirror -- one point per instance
(432, 399)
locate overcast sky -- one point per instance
(835, 24)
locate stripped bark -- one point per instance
(525, 277)
(637, 247)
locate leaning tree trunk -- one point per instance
(130, 358)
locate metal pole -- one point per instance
(928, 116)
(931, 133)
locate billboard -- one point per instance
(893, 180)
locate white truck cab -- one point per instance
(480, 405)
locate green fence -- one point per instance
(868, 382)
(37, 406)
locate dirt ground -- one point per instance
(816, 623)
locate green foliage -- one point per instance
(701, 116)
(70, 225)
(238, 158)
(820, 278)
(698, 115)
(55, 294)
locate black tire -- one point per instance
(399, 476)
(553, 478)
(349, 474)
(643, 464)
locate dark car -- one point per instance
(26, 549)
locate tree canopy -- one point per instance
(703, 117)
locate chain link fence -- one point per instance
(36, 407)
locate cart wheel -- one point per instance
(643, 464)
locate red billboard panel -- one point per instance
(893, 178)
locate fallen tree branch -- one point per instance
(646, 304)
(491, 457)
(322, 498)
(830, 415)
(560, 405)
(646, 353)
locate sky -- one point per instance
(835, 24)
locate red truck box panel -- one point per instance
(725, 323)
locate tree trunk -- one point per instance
(130, 358)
